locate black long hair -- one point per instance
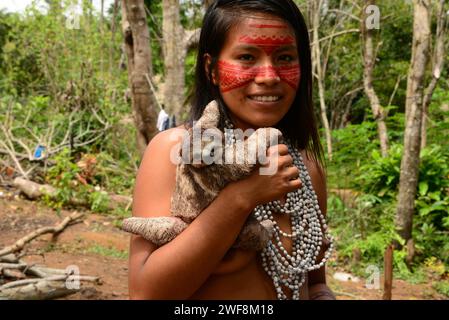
(299, 124)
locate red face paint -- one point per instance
(262, 26)
(267, 43)
(269, 38)
(233, 76)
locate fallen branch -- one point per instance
(50, 283)
(19, 244)
(54, 283)
(66, 277)
(35, 190)
(40, 290)
(9, 258)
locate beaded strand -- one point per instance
(306, 233)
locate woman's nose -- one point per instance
(267, 74)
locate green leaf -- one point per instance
(423, 188)
(435, 196)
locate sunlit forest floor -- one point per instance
(99, 248)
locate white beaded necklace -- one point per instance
(307, 235)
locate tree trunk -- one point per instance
(174, 57)
(177, 42)
(136, 35)
(438, 57)
(413, 106)
(112, 41)
(315, 8)
(369, 61)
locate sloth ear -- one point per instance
(210, 117)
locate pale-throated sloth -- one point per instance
(200, 176)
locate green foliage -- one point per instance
(62, 176)
(99, 201)
(438, 120)
(108, 251)
(442, 287)
(366, 226)
(380, 176)
(369, 224)
(60, 87)
(351, 146)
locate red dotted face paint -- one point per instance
(269, 37)
(233, 76)
(266, 43)
(270, 26)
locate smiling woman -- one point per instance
(258, 71)
(254, 60)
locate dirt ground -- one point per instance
(99, 248)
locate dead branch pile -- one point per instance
(22, 281)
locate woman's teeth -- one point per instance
(265, 98)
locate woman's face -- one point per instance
(259, 71)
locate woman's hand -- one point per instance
(262, 188)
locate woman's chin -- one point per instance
(266, 122)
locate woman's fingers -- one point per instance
(294, 184)
(279, 149)
(292, 172)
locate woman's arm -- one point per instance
(178, 269)
(318, 289)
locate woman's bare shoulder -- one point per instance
(156, 177)
(166, 138)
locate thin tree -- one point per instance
(319, 74)
(369, 58)
(437, 62)
(137, 47)
(177, 42)
(413, 113)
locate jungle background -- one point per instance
(80, 91)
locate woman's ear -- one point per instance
(207, 64)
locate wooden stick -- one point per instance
(388, 270)
(9, 258)
(13, 273)
(51, 278)
(54, 230)
(35, 271)
(12, 266)
(41, 290)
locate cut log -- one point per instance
(35, 190)
(40, 290)
(9, 258)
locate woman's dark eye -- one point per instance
(286, 58)
(246, 57)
